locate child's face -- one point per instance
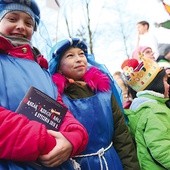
(166, 86)
(73, 63)
(17, 24)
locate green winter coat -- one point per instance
(149, 122)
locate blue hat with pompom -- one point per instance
(61, 47)
(28, 6)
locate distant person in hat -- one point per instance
(145, 51)
(90, 93)
(21, 66)
(127, 97)
(149, 113)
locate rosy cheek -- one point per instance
(5, 31)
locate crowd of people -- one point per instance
(147, 104)
(148, 114)
(101, 130)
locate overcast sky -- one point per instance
(150, 10)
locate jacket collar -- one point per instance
(22, 51)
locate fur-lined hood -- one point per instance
(94, 78)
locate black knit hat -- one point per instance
(157, 84)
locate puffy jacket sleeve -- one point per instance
(74, 131)
(158, 126)
(122, 139)
(22, 139)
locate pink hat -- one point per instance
(139, 50)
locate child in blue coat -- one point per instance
(90, 93)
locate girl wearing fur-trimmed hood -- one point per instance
(91, 94)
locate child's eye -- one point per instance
(69, 55)
(29, 23)
(82, 53)
(11, 19)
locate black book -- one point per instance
(40, 107)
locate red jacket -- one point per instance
(25, 140)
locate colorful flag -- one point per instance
(167, 7)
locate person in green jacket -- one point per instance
(149, 113)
